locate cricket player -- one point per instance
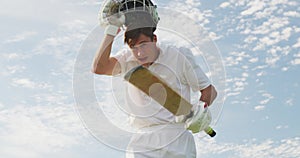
(164, 134)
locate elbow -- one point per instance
(96, 70)
(214, 93)
(101, 70)
(209, 94)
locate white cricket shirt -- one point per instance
(177, 67)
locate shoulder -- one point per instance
(170, 48)
(166, 47)
(123, 55)
(123, 52)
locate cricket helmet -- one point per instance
(138, 13)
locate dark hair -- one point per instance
(132, 35)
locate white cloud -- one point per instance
(236, 58)
(214, 36)
(265, 13)
(194, 3)
(15, 69)
(236, 85)
(284, 69)
(249, 39)
(10, 70)
(289, 147)
(50, 98)
(297, 55)
(271, 61)
(11, 56)
(244, 74)
(282, 127)
(289, 102)
(224, 4)
(283, 2)
(273, 23)
(259, 108)
(67, 39)
(27, 83)
(291, 14)
(189, 8)
(20, 37)
(267, 97)
(89, 3)
(295, 61)
(35, 130)
(49, 11)
(264, 28)
(286, 33)
(253, 60)
(16, 151)
(254, 6)
(261, 73)
(297, 45)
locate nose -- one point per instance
(140, 52)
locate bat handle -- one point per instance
(210, 131)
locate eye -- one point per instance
(142, 46)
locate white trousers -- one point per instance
(163, 141)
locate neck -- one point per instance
(147, 64)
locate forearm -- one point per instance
(102, 56)
(208, 94)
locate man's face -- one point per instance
(144, 49)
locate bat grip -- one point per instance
(210, 131)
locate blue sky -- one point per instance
(260, 47)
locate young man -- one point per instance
(165, 136)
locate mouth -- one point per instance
(143, 59)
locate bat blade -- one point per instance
(160, 91)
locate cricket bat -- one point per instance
(160, 91)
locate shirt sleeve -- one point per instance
(193, 75)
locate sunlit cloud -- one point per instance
(16, 68)
(20, 37)
(28, 83)
(11, 56)
(289, 147)
(282, 127)
(259, 108)
(296, 60)
(224, 4)
(289, 102)
(254, 6)
(297, 45)
(39, 129)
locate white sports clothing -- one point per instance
(163, 137)
(166, 141)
